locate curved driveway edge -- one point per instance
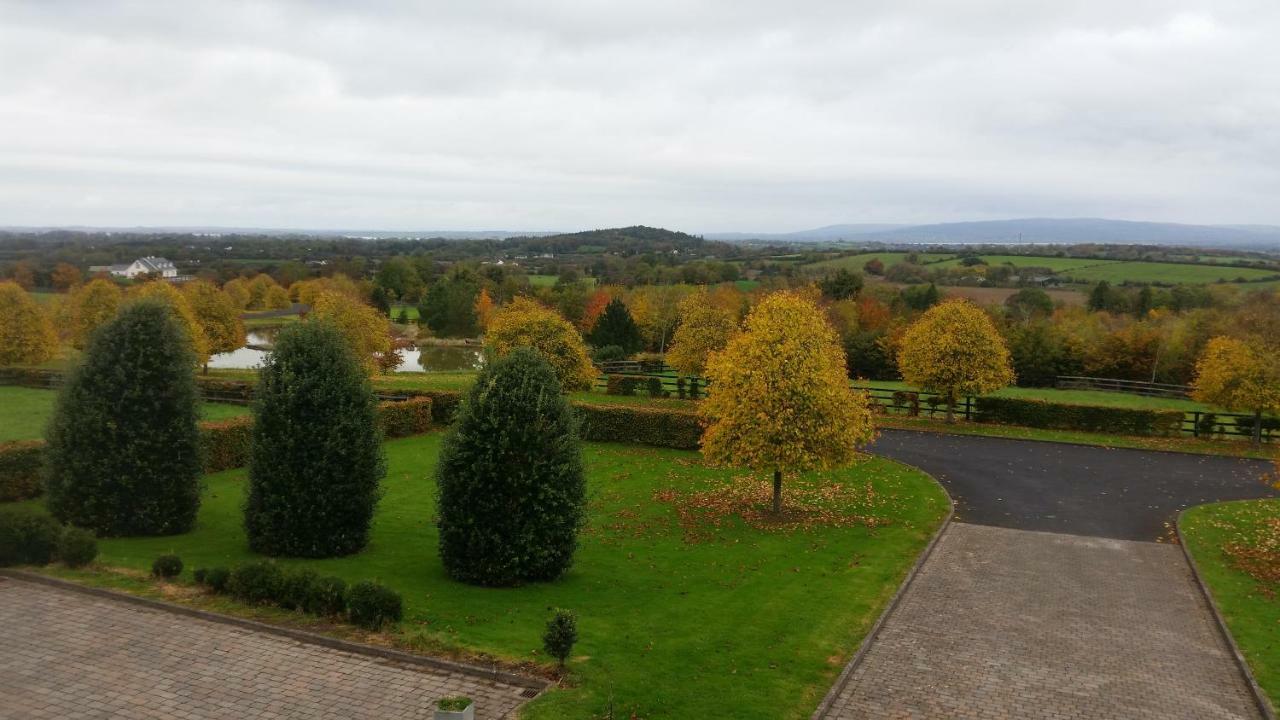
(1264, 705)
(834, 693)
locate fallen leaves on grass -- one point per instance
(1256, 552)
(750, 499)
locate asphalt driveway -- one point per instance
(1073, 489)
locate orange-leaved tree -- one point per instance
(778, 397)
(26, 332)
(181, 308)
(366, 330)
(484, 308)
(89, 307)
(217, 314)
(1238, 375)
(65, 276)
(954, 350)
(525, 323)
(704, 328)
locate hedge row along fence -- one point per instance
(1088, 418)
(225, 443)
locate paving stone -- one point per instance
(68, 655)
(1004, 623)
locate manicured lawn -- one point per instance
(675, 620)
(551, 280)
(1056, 264)
(410, 310)
(253, 323)
(25, 411)
(1250, 607)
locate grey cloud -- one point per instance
(696, 115)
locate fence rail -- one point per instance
(1135, 387)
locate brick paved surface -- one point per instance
(1023, 625)
(68, 655)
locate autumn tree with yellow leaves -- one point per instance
(778, 397)
(65, 276)
(177, 302)
(218, 316)
(266, 294)
(1240, 376)
(525, 323)
(26, 331)
(705, 327)
(484, 309)
(237, 289)
(365, 329)
(89, 307)
(954, 350)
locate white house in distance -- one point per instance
(149, 265)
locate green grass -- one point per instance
(410, 310)
(855, 262)
(44, 297)
(252, 323)
(1056, 264)
(743, 622)
(1252, 611)
(1070, 397)
(25, 411)
(1157, 272)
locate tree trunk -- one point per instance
(951, 410)
(1257, 428)
(206, 368)
(777, 491)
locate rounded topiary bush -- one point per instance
(371, 605)
(511, 488)
(328, 597)
(166, 566)
(296, 588)
(317, 458)
(217, 579)
(77, 547)
(27, 538)
(256, 582)
(123, 454)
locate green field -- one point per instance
(701, 617)
(1056, 264)
(855, 262)
(1251, 609)
(25, 411)
(1070, 397)
(1169, 273)
(411, 310)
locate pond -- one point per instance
(428, 358)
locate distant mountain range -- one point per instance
(1063, 231)
(1071, 231)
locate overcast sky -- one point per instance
(700, 116)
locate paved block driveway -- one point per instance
(64, 654)
(1091, 620)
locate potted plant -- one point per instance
(455, 708)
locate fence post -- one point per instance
(1195, 424)
(968, 407)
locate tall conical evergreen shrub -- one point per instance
(316, 462)
(615, 326)
(511, 489)
(124, 453)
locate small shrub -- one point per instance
(620, 385)
(77, 547)
(28, 538)
(200, 575)
(654, 387)
(608, 353)
(21, 463)
(295, 588)
(560, 635)
(166, 566)
(256, 582)
(217, 579)
(372, 605)
(454, 704)
(328, 597)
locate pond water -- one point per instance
(428, 358)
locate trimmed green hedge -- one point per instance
(406, 417)
(225, 444)
(21, 463)
(661, 427)
(1089, 418)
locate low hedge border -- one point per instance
(226, 445)
(1089, 418)
(660, 427)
